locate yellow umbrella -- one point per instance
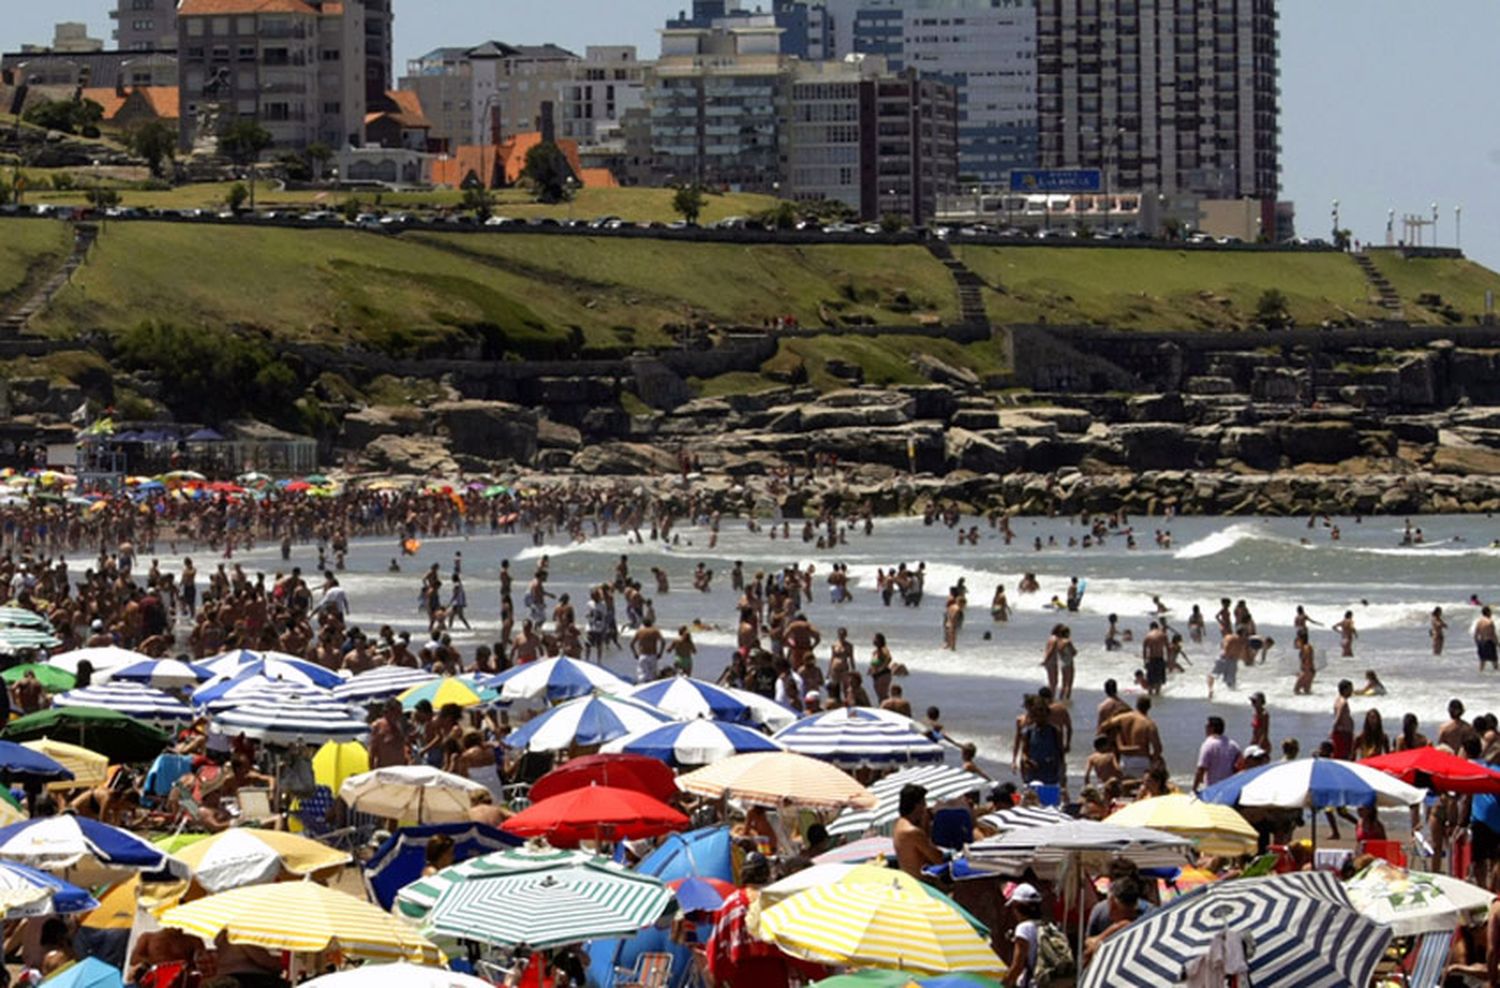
(302, 917)
(885, 926)
(244, 856)
(441, 692)
(337, 761)
(774, 778)
(1215, 829)
(89, 768)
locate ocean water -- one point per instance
(1274, 565)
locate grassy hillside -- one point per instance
(1461, 284)
(523, 294)
(885, 361)
(1163, 289)
(26, 247)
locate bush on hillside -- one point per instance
(211, 376)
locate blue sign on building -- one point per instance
(1057, 180)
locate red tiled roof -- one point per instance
(507, 160)
(599, 178)
(190, 7)
(164, 101)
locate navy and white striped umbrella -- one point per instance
(692, 699)
(26, 893)
(85, 851)
(159, 673)
(1305, 932)
(1312, 782)
(692, 743)
(272, 665)
(131, 699)
(586, 721)
(252, 687)
(381, 684)
(1088, 842)
(554, 680)
(855, 736)
(292, 721)
(941, 782)
(1023, 818)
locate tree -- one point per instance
(892, 223)
(243, 141)
(548, 171)
(236, 196)
(318, 155)
(688, 203)
(351, 208)
(480, 201)
(157, 143)
(71, 116)
(101, 197)
(1271, 311)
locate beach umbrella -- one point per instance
(584, 722)
(549, 908)
(381, 684)
(20, 617)
(1086, 842)
(700, 895)
(26, 893)
(904, 979)
(764, 711)
(252, 687)
(1304, 929)
(18, 761)
(692, 743)
(882, 925)
(272, 665)
(1315, 783)
(10, 811)
(140, 702)
(86, 851)
(85, 768)
(160, 673)
(125, 738)
(859, 852)
(942, 783)
(638, 772)
(772, 778)
(102, 658)
(14, 640)
(1431, 768)
(396, 976)
(416, 900)
(1411, 903)
(1215, 829)
(336, 761)
(440, 693)
(245, 856)
(821, 875)
(703, 853)
(554, 680)
(411, 793)
(693, 699)
(598, 813)
(1024, 817)
(301, 917)
(53, 679)
(90, 972)
(292, 722)
(859, 737)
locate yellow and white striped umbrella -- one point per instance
(885, 926)
(89, 768)
(303, 917)
(1215, 829)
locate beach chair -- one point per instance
(252, 808)
(313, 813)
(1429, 960)
(1386, 850)
(650, 971)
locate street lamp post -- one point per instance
(1335, 221)
(1434, 224)
(1458, 226)
(1390, 228)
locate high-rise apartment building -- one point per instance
(1175, 96)
(806, 28)
(295, 66)
(608, 83)
(985, 48)
(145, 25)
(380, 23)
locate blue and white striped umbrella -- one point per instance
(86, 851)
(1024, 818)
(291, 721)
(131, 699)
(1312, 782)
(554, 680)
(252, 687)
(586, 721)
(102, 657)
(1306, 934)
(159, 673)
(272, 665)
(691, 699)
(692, 743)
(26, 893)
(942, 782)
(857, 736)
(381, 684)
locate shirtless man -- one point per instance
(1485, 639)
(1342, 733)
(388, 737)
(524, 648)
(1111, 704)
(1136, 739)
(914, 847)
(1103, 767)
(1154, 652)
(1453, 733)
(801, 639)
(647, 646)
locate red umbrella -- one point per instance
(1434, 769)
(595, 813)
(639, 772)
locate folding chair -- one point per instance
(313, 813)
(253, 808)
(1431, 959)
(650, 971)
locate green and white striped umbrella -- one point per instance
(550, 908)
(20, 617)
(416, 900)
(21, 639)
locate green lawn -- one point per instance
(1462, 284)
(27, 246)
(728, 284)
(1163, 289)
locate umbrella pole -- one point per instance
(1315, 832)
(1082, 928)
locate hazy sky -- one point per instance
(1386, 104)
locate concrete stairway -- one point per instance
(14, 320)
(1386, 295)
(970, 286)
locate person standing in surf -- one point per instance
(1347, 634)
(1484, 639)
(1437, 630)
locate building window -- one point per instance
(329, 54)
(333, 109)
